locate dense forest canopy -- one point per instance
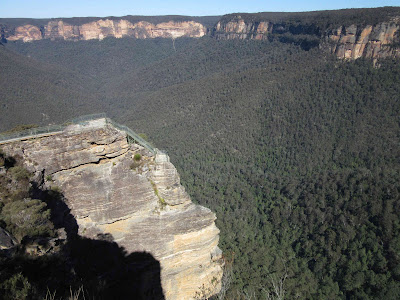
(296, 151)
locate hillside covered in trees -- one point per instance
(296, 151)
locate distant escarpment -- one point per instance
(100, 29)
(349, 34)
(134, 197)
(371, 41)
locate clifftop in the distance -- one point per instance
(348, 33)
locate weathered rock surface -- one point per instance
(346, 42)
(60, 29)
(376, 40)
(352, 42)
(26, 33)
(237, 28)
(140, 203)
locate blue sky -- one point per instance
(102, 8)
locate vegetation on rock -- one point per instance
(44, 264)
(296, 152)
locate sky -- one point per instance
(104, 8)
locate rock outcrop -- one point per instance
(346, 42)
(375, 35)
(60, 29)
(352, 42)
(26, 33)
(138, 200)
(238, 28)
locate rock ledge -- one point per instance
(141, 204)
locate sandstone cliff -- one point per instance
(139, 202)
(346, 42)
(100, 29)
(238, 28)
(349, 34)
(371, 41)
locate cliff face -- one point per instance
(105, 28)
(26, 33)
(237, 28)
(140, 203)
(346, 42)
(352, 42)
(331, 31)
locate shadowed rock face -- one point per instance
(141, 204)
(106, 28)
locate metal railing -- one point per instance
(32, 132)
(133, 135)
(86, 118)
(82, 120)
(43, 130)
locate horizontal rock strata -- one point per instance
(369, 41)
(239, 29)
(101, 29)
(346, 42)
(140, 203)
(375, 41)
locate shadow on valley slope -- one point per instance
(92, 268)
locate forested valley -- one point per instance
(296, 151)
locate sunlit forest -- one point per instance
(296, 151)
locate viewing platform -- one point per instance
(77, 124)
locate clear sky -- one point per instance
(103, 8)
